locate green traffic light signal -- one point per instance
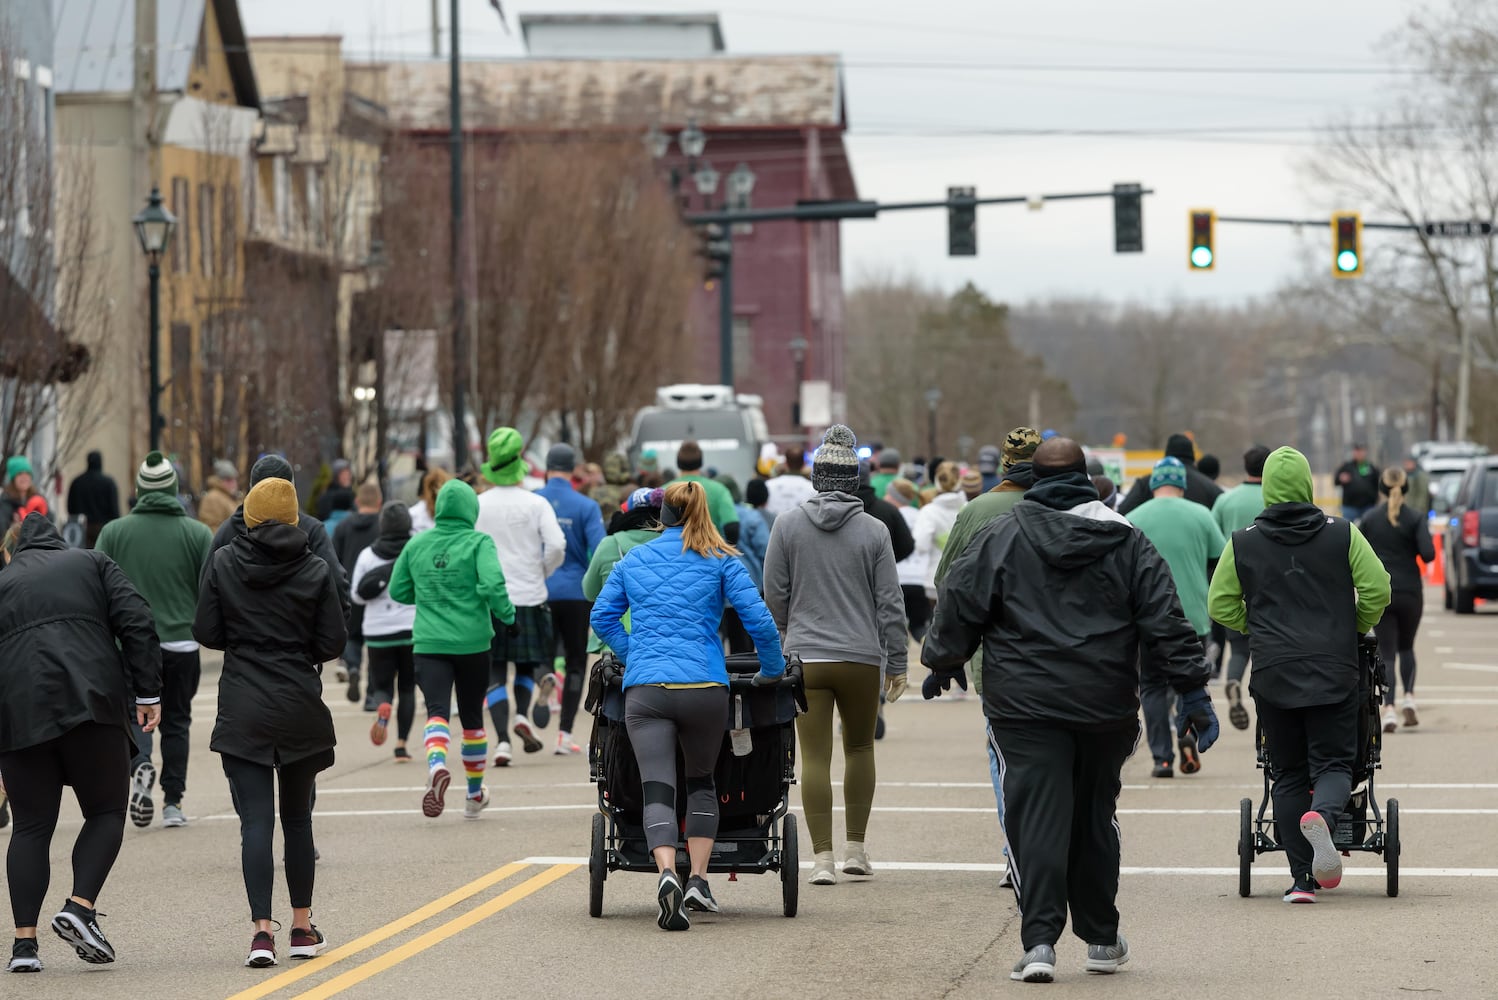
(1347, 245)
(1201, 257)
(1347, 261)
(1202, 224)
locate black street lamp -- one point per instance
(153, 227)
(933, 398)
(798, 353)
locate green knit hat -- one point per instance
(15, 465)
(156, 475)
(506, 465)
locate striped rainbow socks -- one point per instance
(475, 756)
(437, 738)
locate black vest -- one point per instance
(1302, 615)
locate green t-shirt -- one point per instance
(719, 500)
(1187, 538)
(1237, 508)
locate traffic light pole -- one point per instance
(836, 211)
(725, 312)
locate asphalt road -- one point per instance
(498, 907)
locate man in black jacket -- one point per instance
(1357, 478)
(899, 532)
(1061, 594)
(94, 496)
(1199, 489)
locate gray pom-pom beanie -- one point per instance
(835, 467)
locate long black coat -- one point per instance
(77, 642)
(272, 607)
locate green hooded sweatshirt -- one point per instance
(1287, 480)
(162, 551)
(451, 573)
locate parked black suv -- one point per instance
(1472, 537)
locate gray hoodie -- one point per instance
(832, 586)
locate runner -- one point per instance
(273, 608)
(1234, 511)
(1199, 489)
(719, 500)
(352, 536)
(582, 528)
(1399, 535)
(531, 546)
(452, 576)
(387, 630)
(912, 569)
(790, 487)
(163, 552)
(1189, 541)
(66, 692)
(426, 502)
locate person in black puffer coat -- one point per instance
(78, 654)
(273, 608)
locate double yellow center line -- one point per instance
(436, 935)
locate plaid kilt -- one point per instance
(531, 642)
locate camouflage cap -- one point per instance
(1020, 445)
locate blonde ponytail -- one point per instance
(698, 532)
(1394, 482)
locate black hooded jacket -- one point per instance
(272, 607)
(1199, 488)
(77, 641)
(351, 536)
(1061, 601)
(317, 540)
(899, 532)
(94, 495)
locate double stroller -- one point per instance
(1356, 830)
(756, 768)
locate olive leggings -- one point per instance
(854, 689)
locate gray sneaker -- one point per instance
(1038, 965)
(1107, 959)
(172, 815)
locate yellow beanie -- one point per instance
(270, 500)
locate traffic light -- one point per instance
(1203, 227)
(1347, 245)
(962, 222)
(1128, 218)
(715, 250)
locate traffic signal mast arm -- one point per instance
(1472, 228)
(821, 211)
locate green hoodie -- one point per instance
(451, 573)
(162, 551)
(1287, 479)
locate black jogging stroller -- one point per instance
(756, 832)
(1356, 830)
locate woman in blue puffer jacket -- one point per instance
(675, 682)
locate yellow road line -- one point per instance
(436, 935)
(374, 937)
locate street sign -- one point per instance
(1458, 228)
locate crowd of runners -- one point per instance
(493, 592)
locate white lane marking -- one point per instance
(1485, 668)
(982, 868)
(986, 786)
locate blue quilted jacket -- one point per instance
(675, 601)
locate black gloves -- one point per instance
(1198, 716)
(941, 680)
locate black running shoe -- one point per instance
(307, 942)
(1191, 761)
(353, 686)
(24, 957)
(1303, 891)
(699, 897)
(142, 780)
(673, 915)
(262, 951)
(1163, 769)
(879, 725)
(79, 927)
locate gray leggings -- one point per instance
(659, 719)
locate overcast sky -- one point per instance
(933, 101)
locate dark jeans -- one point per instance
(1396, 639)
(392, 670)
(1309, 749)
(252, 787)
(917, 609)
(180, 674)
(1159, 701)
(569, 620)
(1060, 791)
(659, 720)
(95, 760)
(440, 675)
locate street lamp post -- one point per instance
(933, 398)
(798, 352)
(153, 227)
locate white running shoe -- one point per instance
(502, 754)
(856, 860)
(435, 799)
(527, 734)
(1408, 708)
(1391, 721)
(472, 807)
(565, 746)
(824, 869)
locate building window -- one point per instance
(282, 197)
(230, 232)
(743, 347)
(206, 219)
(181, 208)
(181, 375)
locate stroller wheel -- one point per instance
(1391, 845)
(1245, 847)
(790, 866)
(597, 866)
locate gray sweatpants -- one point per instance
(658, 720)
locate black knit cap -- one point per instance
(835, 467)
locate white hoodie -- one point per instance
(933, 524)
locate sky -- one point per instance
(939, 95)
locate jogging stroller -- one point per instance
(756, 833)
(1355, 830)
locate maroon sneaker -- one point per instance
(307, 942)
(262, 951)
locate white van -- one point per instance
(729, 428)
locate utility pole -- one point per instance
(725, 312)
(436, 31)
(143, 177)
(460, 339)
(1464, 384)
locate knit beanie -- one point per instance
(224, 469)
(395, 520)
(989, 458)
(889, 458)
(156, 475)
(1020, 445)
(506, 465)
(561, 458)
(645, 496)
(17, 464)
(1168, 472)
(271, 467)
(270, 500)
(972, 481)
(834, 468)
